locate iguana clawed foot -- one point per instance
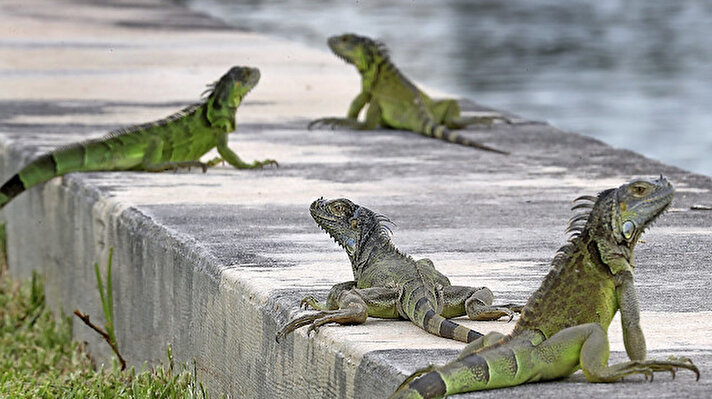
(649, 367)
(261, 164)
(215, 161)
(174, 166)
(350, 314)
(335, 122)
(491, 313)
(479, 307)
(254, 165)
(309, 301)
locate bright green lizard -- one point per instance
(388, 283)
(177, 141)
(563, 325)
(393, 100)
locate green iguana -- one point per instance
(388, 283)
(394, 101)
(563, 325)
(177, 141)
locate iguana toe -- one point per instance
(309, 301)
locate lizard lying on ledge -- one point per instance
(388, 283)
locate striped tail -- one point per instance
(441, 132)
(72, 158)
(471, 373)
(420, 309)
(438, 325)
(38, 171)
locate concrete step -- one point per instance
(215, 263)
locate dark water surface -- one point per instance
(635, 74)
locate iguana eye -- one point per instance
(338, 209)
(638, 189)
(628, 229)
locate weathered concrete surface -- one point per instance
(214, 263)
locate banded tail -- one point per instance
(471, 373)
(441, 132)
(420, 308)
(72, 158)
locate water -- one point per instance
(637, 75)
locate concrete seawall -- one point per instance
(214, 263)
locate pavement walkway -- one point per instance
(215, 263)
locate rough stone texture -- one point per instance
(214, 263)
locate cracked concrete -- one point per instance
(214, 263)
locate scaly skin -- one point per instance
(563, 326)
(389, 284)
(393, 100)
(177, 141)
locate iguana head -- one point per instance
(227, 93)
(349, 224)
(620, 216)
(639, 203)
(358, 50)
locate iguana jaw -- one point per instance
(640, 203)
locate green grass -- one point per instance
(39, 359)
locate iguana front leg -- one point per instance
(355, 305)
(447, 112)
(230, 157)
(152, 159)
(476, 303)
(357, 104)
(633, 337)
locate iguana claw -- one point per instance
(328, 122)
(261, 164)
(309, 301)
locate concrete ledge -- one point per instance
(213, 263)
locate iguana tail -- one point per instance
(441, 132)
(37, 171)
(476, 372)
(72, 158)
(420, 309)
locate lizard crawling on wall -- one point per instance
(563, 325)
(388, 283)
(393, 100)
(177, 141)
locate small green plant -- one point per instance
(38, 358)
(106, 294)
(3, 249)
